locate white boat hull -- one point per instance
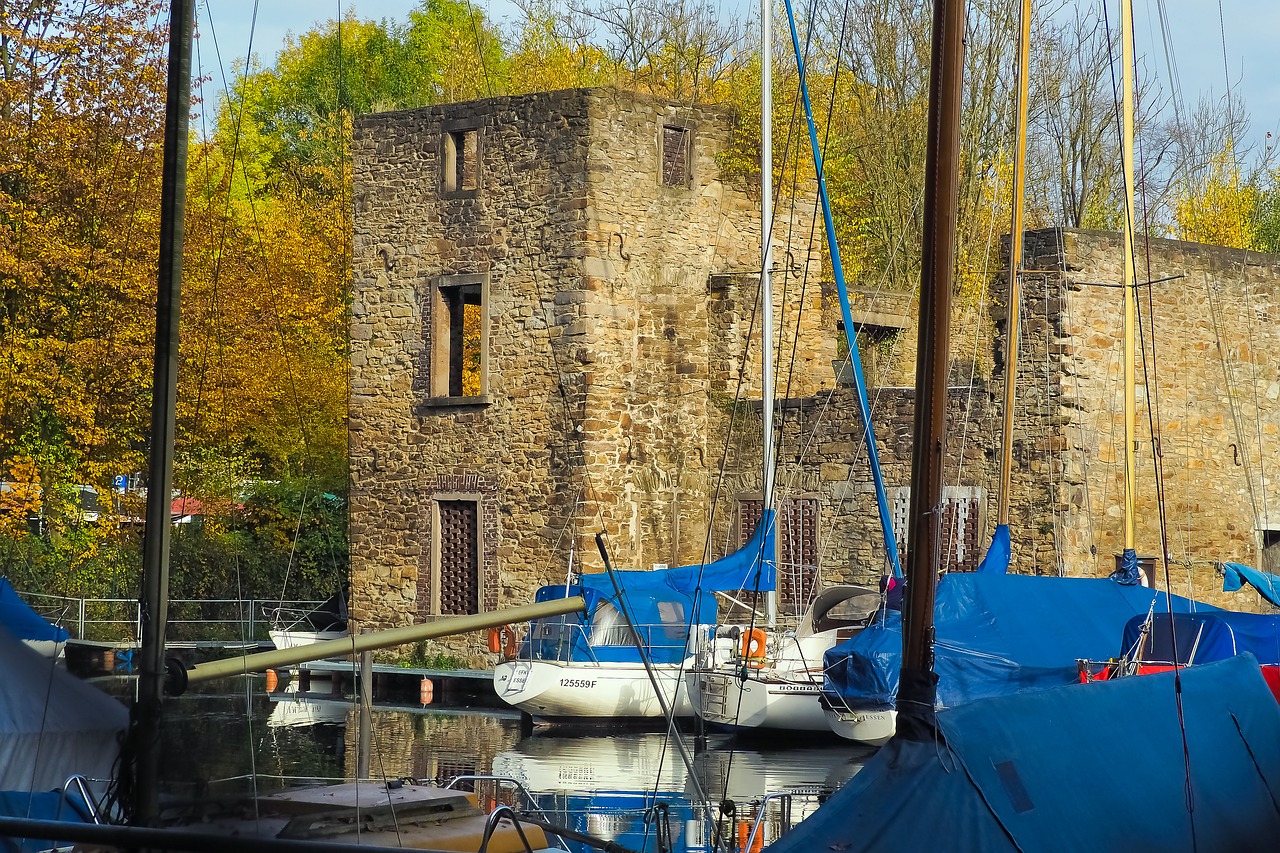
(556, 690)
(285, 638)
(725, 700)
(48, 648)
(873, 728)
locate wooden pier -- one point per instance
(393, 685)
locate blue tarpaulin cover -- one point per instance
(1236, 576)
(24, 622)
(996, 560)
(995, 634)
(1053, 770)
(663, 604)
(1210, 636)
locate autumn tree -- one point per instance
(80, 116)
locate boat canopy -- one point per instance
(1203, 637)
(1235, 576)
(52, 724)
(996, 634)
(662, 618)
(1081, 767)
(23, 621)
(663, 604)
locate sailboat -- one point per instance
(1022, 771)
(628, 654)
(754, 677)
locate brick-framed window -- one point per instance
(460, 160)
(458, 320)
(962, 524)
(677, 156)
(457, 555)
(797, 537)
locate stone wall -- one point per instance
(1208, 390)
(623, 372)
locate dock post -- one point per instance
(366, 709)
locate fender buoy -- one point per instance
(426, 691)
(511, 643)
(273, 681)
(753, 647)
(495, 639)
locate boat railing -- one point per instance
(552, 640)
(498, 782)
(120, 619)
(78, 794)
(783, 800)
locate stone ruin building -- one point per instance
(554, 334)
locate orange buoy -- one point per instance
(426, 691)
(495, 640)
(511, 642)
(273, 681)
(753, 647)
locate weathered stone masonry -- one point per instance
(603, 354)
(618, 296)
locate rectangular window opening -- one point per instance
(676, 171)
(462, 160)
(458, 338)
(1270, 550)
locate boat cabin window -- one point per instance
(608, 628)
(459, 332)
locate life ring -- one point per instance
(510, 642)
(753, 647)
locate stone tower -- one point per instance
(553, 299)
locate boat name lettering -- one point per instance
(577, 682)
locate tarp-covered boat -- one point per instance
(996, 634)
(1107, 768)
(23, 622)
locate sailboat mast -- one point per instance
(164, 392)
(918, 685)
(1013, 315)
(766, 278)
(1130, 306)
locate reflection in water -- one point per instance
(626, 787)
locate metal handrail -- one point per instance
(77, 613)
(81, 785)
(492, 823)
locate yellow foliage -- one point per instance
(21, 498)
(1222, 209)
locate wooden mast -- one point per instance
(917, 689)
(1013, 315)
(1130, 306)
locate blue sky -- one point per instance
(1251, 27)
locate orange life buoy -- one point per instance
(511, 642)
(753, 647)
(495, 640)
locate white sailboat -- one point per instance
(754, 679)
(760, 677)
(629, 654)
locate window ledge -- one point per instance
(454, 402)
